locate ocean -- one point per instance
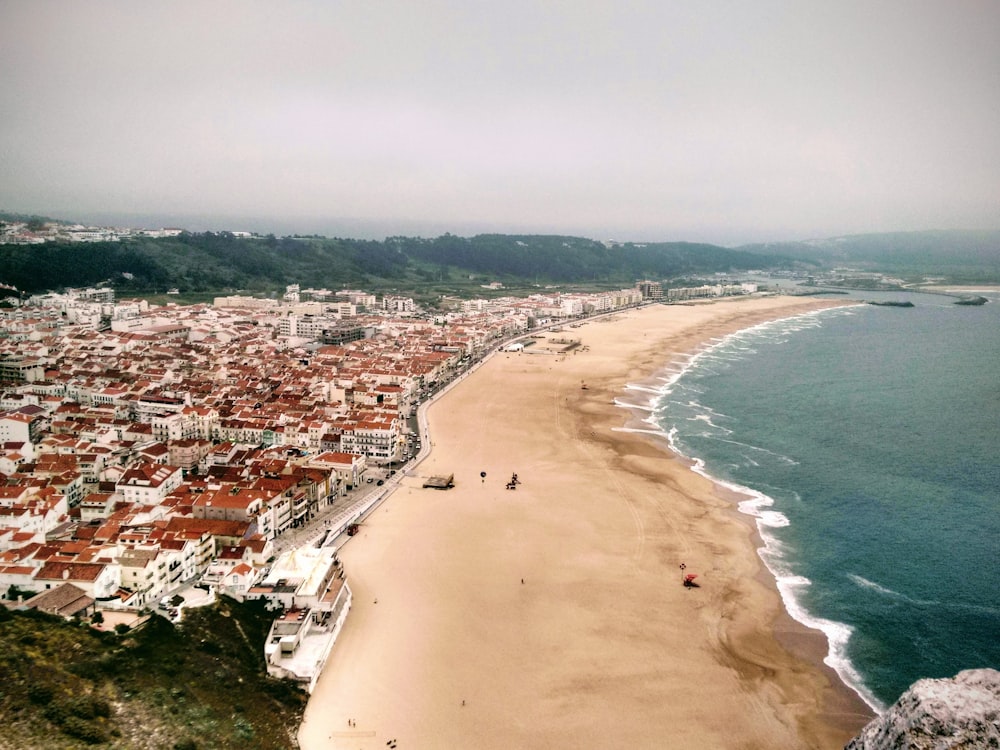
(868, 442)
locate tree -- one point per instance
(14, 592)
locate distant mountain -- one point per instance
(937, 252)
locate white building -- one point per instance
(149, 483)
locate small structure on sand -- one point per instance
(440, 483)
(688, 579)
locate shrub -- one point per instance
(56, 712)
(243, 730)
(88, 707)
(210, 647)
(40, 694)
(84, 730)
(96, 668)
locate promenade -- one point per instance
(329, 526)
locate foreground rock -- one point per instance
(960, 713)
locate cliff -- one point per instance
(949, 714)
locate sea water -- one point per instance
(867, 440)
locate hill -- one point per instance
(214, 262)
(202, 684)
(221, 261)
(960, 255)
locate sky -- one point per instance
(698, 120)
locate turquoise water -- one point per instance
(868, 439)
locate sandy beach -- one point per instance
(553, 615)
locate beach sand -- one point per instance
(553, 615)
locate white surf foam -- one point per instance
(881, 590)
(643, 388)
(658, 433)
(779, 456)
(639, 407)
(790, 584)
(865, 583)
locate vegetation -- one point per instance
(218, 262)
(205, 264)
(202, 684)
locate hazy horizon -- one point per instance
(375, 229)
(379, 229)
(644, 121)
(350, 227)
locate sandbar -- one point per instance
(553, 615)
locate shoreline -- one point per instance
(599, 645)
(810, 637)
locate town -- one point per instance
(154, 457)
(39, 231)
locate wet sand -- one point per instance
(553, 615)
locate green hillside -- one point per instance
(216, 262)
(220, 261)
(202, 684)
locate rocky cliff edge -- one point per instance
(961, 713)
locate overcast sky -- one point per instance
(663, 120)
